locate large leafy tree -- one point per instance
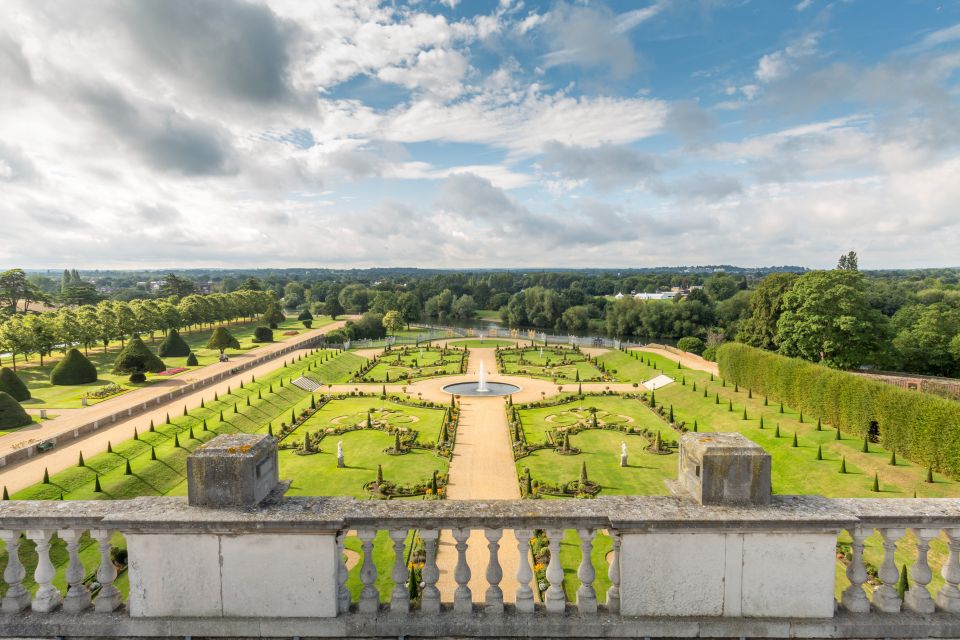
(174, 285)
(222, 340)
(826, 318)
(925, 346)
(332, 306)
(393, 321)
(16, 337)
(759, 329)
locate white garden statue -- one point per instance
(340, 454)
(623, 454)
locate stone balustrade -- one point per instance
(676, 569)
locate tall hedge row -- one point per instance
(919, 426)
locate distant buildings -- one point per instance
(661, 295)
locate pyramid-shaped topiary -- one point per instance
(222, 339)
(11, 413)
(137, 359)
(11, 383)
(192, 360)
(73, 369)
(173, 346)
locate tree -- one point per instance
(691, 344)
(408, 304)
(766, 306)
(222, 340)
(87, 326)
(848, 261)
(576, 319)
(464, 308)
(16, 337)
(332, 307)
(14, 287)
(393, 321)
(173, 346)
(136, 359)
(43, 330)
(925, 346)
(263, 334)
(354, 298)
(106, 323)
(826, 318)
(174, 285)
(73, 369)
(720, 286)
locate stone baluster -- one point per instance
(78, 595)
(369, 596)
(555, 597)
(918, 597)
(885, 597)
(462, 597)
(430, 597)
(109, 597)
(854, 598)
(586, 596)
(400, 600)
(47, 598)
(494, 595)
(343, 594)
(613, 572)
(17, 597)
(524, 571)
(948, 598)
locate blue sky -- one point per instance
(479, 134)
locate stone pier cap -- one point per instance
(620, 513)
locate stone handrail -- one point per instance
(677, 568)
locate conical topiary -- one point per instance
(96, 484)
(46, 476)
(866, 445)
(528, 488)
(136, 359)
(192, 360)
(379, 475)
(11, 383)
(795, 443)
(173, 346)
(929, 475)
(777, 433)
(12, 415)
(153, 453)
(6, 494)
(819, 426)
(761, 422)
(838, 437)
(819, 452)
(80, 461)
(109, 447)
(74, 369)
(843, 464)
(903, 584)
(583, 475)
(893, 458)
(176, 441)
(876, 483)
(694, 426)
(127, 470)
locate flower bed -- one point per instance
(290, 333)
(105, 392)
(173, 372)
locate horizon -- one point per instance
(461, 135)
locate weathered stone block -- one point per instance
(235, 470)
(724, 468)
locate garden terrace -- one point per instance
(560, 364)
(279, 570)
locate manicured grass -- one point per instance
(337, 370)
(492, 315)
(408, 364)
(46, 395)
(487, 343)
(559, 364)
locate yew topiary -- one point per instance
(173, 346)
(12, 415)
(11, 383)
(73, 369)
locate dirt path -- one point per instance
(24, 474)
(482, 469)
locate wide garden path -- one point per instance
(482, 469)
(23, 474)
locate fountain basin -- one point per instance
(471, 389)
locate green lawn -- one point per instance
(338, 369)
(46, 395)
(560, 364)
(486, 343)
(408, 364)
(491, 315)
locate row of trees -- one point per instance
(89, 325)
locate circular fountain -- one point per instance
(481, 388)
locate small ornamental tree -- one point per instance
(192, 360)
(691, 344)
(12, 415)
(136, 359)
(73, 369)
(222, 339)
(263, 334)
(173, 346)
(305, 315)
(583, 475)
(11, 383)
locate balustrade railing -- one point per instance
(186, 562)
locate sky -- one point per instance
(479, 133)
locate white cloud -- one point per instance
(775, 66)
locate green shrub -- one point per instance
(11, 383)
(222, 339)
(73, 369)
(305, 315)
(136, 359)
(921, 427)
(192, 360)
(263, 334)
(173, 346)
(691, 344)
(11, 413)
(710, 353)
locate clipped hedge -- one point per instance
(11, 383)
(73, 369)
(263, 334)
(12, 414)
(173, 346)
(919, 426)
